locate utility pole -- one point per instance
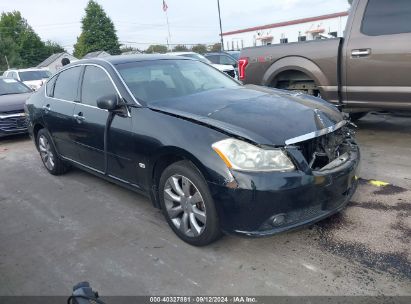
(8, 66)
(221, 28)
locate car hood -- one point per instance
(262, 115)
(13, 102)
(223, 67)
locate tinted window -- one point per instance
(162, 79)
(227, 60)
(67, 84)
(12, 86)
(50, 86)
(34, 75)
(96, 84)
(214, 58)
(384, 17)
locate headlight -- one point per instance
(240, 155)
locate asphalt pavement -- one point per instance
(57, 231)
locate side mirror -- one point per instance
(109, 102)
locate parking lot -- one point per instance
(57, 231)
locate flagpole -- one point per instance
(221, 28)
(168, 27)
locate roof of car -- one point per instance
(25, 70)
(118, 59)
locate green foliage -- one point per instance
(180, 48)
(199, 48)
(22, 46)
(98, 32)
(125, 49)
(156, 48)
(216, 47)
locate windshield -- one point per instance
(12, 86)
(150, 81)
(196, 56)
(34, 75)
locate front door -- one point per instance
(378, 55)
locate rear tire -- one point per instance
(48, 154)
(188, 205)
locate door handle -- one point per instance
(46, 108)
(79, 117)
(360, 52)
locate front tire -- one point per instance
(188, 205)
(48, 154)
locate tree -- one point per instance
(98, 32)
(180, 48)
(156, 48)
(216, 47)
(22, 46)
(199, 48)
(53, 47)
(125, 49)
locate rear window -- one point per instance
(34, 75)
(383, 17)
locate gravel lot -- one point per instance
(57, 231)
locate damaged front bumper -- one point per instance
(266, 203)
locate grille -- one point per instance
(10, 124)
(320, 151)
(230, 73)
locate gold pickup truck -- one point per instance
(368, 69)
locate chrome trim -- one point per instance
(315, 133)
(78, 163)
(121, 79)
(22, 114)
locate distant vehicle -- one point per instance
(213, 154)
(226, 68)
(13, 95)
(222, 58)
(235, 54)
(368, 69)
(33, 78)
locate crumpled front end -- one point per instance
(265, 203)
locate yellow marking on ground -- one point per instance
(378, 183)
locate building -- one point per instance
(324, 26)
(96, 54)
(53, 63)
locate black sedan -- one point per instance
(214, 155)
(13, 95)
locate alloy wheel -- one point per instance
(185, 205)
(46, 153)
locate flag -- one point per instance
(165, 7)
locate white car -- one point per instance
(228, 69)
(33, 78)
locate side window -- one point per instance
(384, 17)
(67, 84)
(227, 60)
(50, 86)
(96, 84)
(214, 58)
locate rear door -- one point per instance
(90, 121)
(61, 94)
(378, 55)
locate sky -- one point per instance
(140, 23)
